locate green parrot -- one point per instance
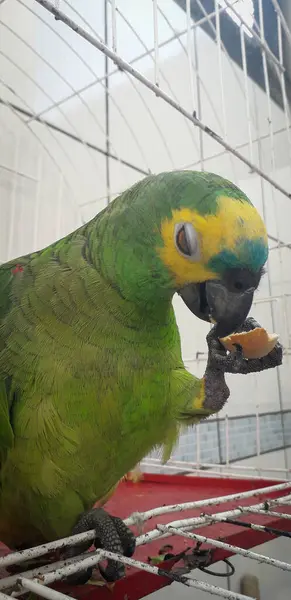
(91, 372)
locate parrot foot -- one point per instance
(220, 360)
(111, 534)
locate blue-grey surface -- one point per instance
(274, 433)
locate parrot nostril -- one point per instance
(239, 281)
(239, 286)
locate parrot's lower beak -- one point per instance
(214, 302)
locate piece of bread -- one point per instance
(255, 343)
(135, 475)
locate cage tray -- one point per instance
(159, 490)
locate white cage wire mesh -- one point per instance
(93, 96)
(37, 579)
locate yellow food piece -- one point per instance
(135, 476)
(255, 343)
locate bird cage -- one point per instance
(93, 97)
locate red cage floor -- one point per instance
(159, 490)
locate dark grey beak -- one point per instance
(225, 302)
(228, 309)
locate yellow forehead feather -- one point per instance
(233, 220)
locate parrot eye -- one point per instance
(186, 240)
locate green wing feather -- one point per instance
(6, 431)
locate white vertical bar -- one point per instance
(283, 86)
(190, 53)
(219, 55)
(37, 201)
(271, 134)
(198, 445)
(198, 95)
(277, 229)
(285, 319)
(283, 20)
(246, 84)
(267, 85)
(156, 42)
(13, 200)
(258, 437)
(113, 23)
(59, 206)
(281, 23)
(287, 125)
(226, 440)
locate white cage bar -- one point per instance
(36, 580)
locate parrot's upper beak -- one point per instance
(226, 301)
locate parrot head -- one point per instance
(196, 234)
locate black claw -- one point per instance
(112, 572)
(126, 537)
(80, 578)
(111, 534)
